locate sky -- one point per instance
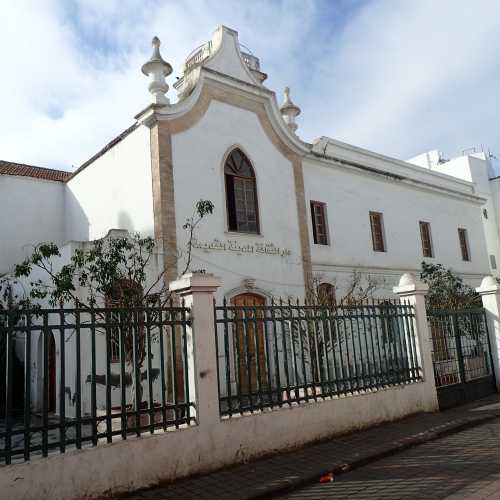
(395, 76)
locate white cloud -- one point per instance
(397, 77)
(410, 76)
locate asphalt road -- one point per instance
(465, 465)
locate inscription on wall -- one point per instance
(237, 247)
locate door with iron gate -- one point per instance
(461, 355)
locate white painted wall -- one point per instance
(113, 192)
(351, 195)
(198, 157)
(32, 212)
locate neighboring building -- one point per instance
(476, 168)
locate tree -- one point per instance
(98, 271)
(112, 272)
(446, 289)
(312, 338)
(358, 289)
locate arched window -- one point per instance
(241, 194)
(326, 294)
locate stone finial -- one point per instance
(157, 69)
(407, 279)
(410, 285)
(488, 285)
(289, 111)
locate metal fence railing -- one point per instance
(78, 377)
(285, 353)
(460, 346)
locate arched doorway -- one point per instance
(250, 343)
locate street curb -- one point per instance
(392, 449)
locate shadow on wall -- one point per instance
(125, 222)
(77, 227)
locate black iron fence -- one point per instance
(77, 377)
(284, 353)
(460, 346)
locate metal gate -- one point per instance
(461, 354)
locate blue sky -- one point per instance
(399, 77)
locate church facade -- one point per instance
(286, 211)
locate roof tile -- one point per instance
(20, 169)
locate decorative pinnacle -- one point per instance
(289, 111)
(157, 69)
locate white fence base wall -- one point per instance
(123, 466)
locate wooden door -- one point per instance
(250, 343)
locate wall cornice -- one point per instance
(389, 176)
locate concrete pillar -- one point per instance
(413, 291)
(197, 290)
(490, 295)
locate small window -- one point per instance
(493, 262)
(241, 194)
(377, 227)
(425, 235)
(464, 243)
(485, 213)
(319, 223)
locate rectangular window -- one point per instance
(425, 235)
(377, 226)
(464, 244)
(319, 223)
(493, 262)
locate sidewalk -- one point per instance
(287, 471)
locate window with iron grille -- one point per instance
(425, 235)
(319, 223)
(464, 244)
(377, 227)
(241, 194)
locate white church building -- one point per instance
(285, 209)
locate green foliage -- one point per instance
(111, 271)
(96, 270)
(446, 289)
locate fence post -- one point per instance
(414, 291)
(490, 295)
(198, 290)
